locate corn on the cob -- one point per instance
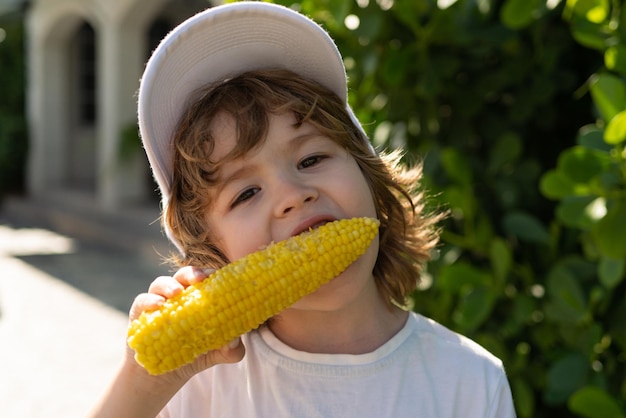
(244, 294)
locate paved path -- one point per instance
(63, 307)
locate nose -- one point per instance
(292, 195)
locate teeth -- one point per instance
(317, 225)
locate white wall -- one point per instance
(120, 27)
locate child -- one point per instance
(244, 117)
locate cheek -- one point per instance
(240, 239)
(358, 194)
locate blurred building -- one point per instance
(84, 59)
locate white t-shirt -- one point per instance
(424, 371)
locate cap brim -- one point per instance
(220, 43)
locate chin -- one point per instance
(341, 291)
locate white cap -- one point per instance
(220, 43)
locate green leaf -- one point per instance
(480, 239)
(565, 377)
(524, 398)
(609, 94)
(395, 64)
(410, 13)
(610, 181)
(339, 9)
(461, 199)
(595, 11)
(596, 209)
(616, 129)
(579, 171)
(579, 266)
(581, 164)
(592, 137)
(567, 299)
(588, 34)
(526, 227)
(583, 338)
(593, 402)
(517, 14)
(455, 277)
(457, 166)
(610, 232)
(564, 288)
(554, 185)
(523, 308)
(611, 272)
(574, 211)
(615, 58)
(500, 258)
(474, 308)
(371, 23)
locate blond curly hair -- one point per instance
(408, 233)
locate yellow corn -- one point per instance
(244, 294)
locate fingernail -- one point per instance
(199, 273)
(173, 290)
(234, 343)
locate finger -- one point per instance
(190, 275)
(145, 302)
(165, 286)
(230, 353)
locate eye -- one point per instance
(245, 195)
(311, 161)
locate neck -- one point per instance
(348, 330)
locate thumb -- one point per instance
(232, 352)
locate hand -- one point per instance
(135, 393)
(165, 287)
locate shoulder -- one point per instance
(439, 344)
(452, 366)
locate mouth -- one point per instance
(312, 223)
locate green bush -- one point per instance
(13, 134)
(518, 108)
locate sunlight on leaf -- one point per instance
(616, 129)
(609, 94)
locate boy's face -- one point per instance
(296, 180)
